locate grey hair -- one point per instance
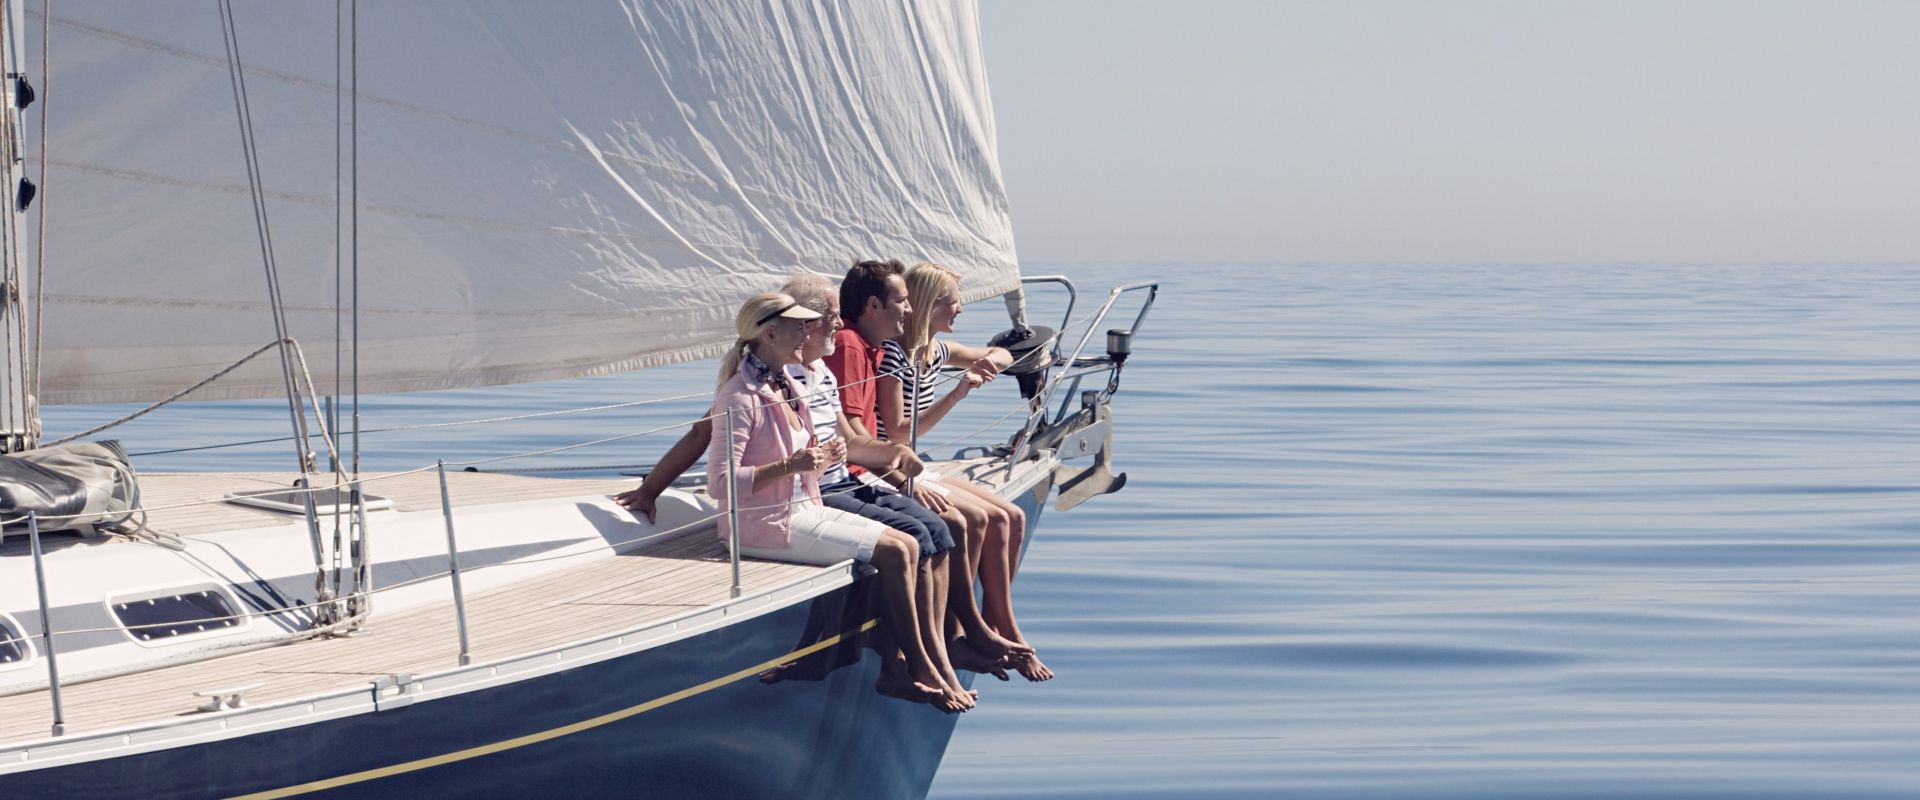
(810, 289)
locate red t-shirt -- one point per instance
(854, 363)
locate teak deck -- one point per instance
(682, 573)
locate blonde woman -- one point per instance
(776, 475)
(909, 380)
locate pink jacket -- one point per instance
(761, 437)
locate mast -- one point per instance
(19, 414)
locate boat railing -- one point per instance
(1076, 367)
(1072, 370)
(47, 636)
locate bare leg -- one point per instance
(981, 637)
(955, 571)
(895, 557)
(957, 567)
(1000, 557)
(932, 617)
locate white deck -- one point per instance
(686, 572)
(683, 573)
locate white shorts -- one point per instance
(823, 536)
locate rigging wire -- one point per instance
(363, 567)
(941, 380)
(332, 412)
(422, 426)
(236, 75)
(353, 227)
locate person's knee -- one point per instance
(976, 520)
(909, 547)
(892, 553)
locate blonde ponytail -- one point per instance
(730, 363)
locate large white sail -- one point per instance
(546, 190)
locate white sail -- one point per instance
(546, 190)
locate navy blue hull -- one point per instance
(695, 718)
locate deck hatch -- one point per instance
(197, 609)
(326, 501)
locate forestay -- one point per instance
(545, 190)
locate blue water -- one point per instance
(1418, 531)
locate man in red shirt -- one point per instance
(873, 303)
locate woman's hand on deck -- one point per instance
(639, 501)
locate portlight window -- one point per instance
(13, 646)
(166, 616)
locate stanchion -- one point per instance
(453, 566)
(733, 507)
(46, 627)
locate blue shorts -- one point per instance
(894, 510)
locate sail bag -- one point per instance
(69, 487)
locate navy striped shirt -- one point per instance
(821, 392)
(916, 382)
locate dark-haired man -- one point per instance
(874, 306)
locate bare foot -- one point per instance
(992, 645)
(941, 675)
(967, 697)
(911, 691)
(1031, 668)
(777, 673)
(971, 660)
(941, 698)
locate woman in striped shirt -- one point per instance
(909, 377)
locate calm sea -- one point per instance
(1415, 531)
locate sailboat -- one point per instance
(317, 201)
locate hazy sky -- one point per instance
(1459, 131)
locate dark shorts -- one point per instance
(894, 510)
